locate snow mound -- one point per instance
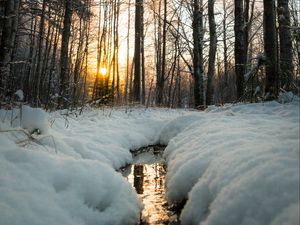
(238, 169)
(34, 119)
(174, 127)
(20, 94)
(69, 176)
(38, 188)
(285, 97)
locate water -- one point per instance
(147, 176)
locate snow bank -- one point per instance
(174, 127)
(68, 175)
(37, 188)
(237, 165)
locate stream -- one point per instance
(147, 176)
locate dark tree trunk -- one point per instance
(143, 71)
(161, 81)
(137, 51)
(239, 47)
(198, 55)
(212, 52)
(37, 74)
(127, 57)
(9, 24)
(270, 49)
(64, 54)
(225, 46)
(286, 47)
(2, 12)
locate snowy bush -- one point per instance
(34, 119)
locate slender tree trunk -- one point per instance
(143, 71)
(117, 50)
(9, 21)
(2, 12)
(198, 54)
(225, 55)
(37, 74)
(137, 51)
(239, 47)
(127, 57)
(158, 47)
(52, 67)
(270, 48)
(64, 54)
(48, 47)
(286, 47)
(212, 52)
(161, 82)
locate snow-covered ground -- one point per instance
(234, 165)
(67, 176)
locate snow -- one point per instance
(20, 94)
(68, 174)
(34, 119)
(236, 164)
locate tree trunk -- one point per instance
(270, 49)
(64, 54)
(37, 74)
(286, 47)
(239, 47)
(160, 88)
(137, 51)
(127, 55)
(9, 23)
(143, 71)
(212, 52)
(198, 54)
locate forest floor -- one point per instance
(235, 164)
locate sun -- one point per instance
(103, 71)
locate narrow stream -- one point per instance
(147, 176)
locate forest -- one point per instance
(149, 112)
(67, 54)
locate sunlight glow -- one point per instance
(103, 71)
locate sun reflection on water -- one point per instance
(148, 178)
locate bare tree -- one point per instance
(64, 53)
(137, 50)
(239, 51)
(9, 25)
(270, 48)
(286, 47)
(198, 53)
(161, 78)
(212, 52)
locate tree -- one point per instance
(37, 78)
(286, 47)
(198, 53)
(137, 50)
(239, 46)
(9, 25)
(212, 52)
(270, 49)
(64, 53)
(161, 78)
